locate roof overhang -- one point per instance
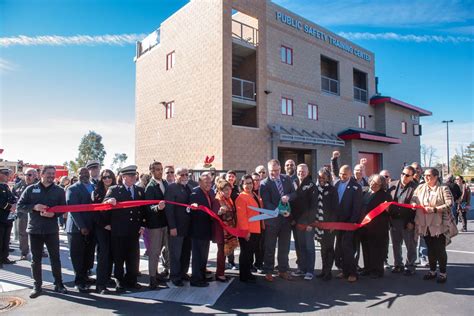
(382, 99)
(351, 134)
(292, 135)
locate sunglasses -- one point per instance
(387, 177)
(29, 175)
(106, 177)
(169, 172)
(406, 175)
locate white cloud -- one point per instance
(6, 66)
(55, 40)
(460, 135)
(390, 36)
(55, 141)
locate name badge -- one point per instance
(36, 191)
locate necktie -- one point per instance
(131, 192)
(279, 187)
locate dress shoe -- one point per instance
(285, 276)
(178, 283)
(429, 276)
(102, 290)
(442, 278)
(136, 286)
(8, 261)
(90, 280)
(352, 279)
(59, 288)
(398, 269)
(199, 284)
(82, 288)
(186, 277)
(164, 274)
(153, 283)
(111, 283)
(269, 277)
(35, 292)
(364, 272)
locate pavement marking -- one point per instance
(460, 251)
(187, 294)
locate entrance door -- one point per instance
(374, 162)
(297, 155)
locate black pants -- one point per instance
(37, 242)
(180, 254)
(5, 231)
(437, 252)
(247, 250)
(80, 249)
(464, 219)
(344, 253)
(125, 250)
(327, 251)
(104, 256)
(374, 247)
(260, 251)
(200, 251)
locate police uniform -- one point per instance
(125, 231)
(7, 199)
(93, 164)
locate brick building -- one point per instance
(247, 81)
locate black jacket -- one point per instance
(201, 223)
(397, 212)
(455, 190)
(37, 193)
(154, 217)
(6, 200)
(370, 200)
(349, 208)
(127, 221)
(304, 206)
(330, 203)
(177, 216)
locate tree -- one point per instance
(91, 148)
(119, 160)
(457, 165)
(428, 155)
(469, 157)
(72, 166)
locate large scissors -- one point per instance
(266, 214)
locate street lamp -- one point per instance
(447, 138)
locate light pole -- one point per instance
(447, 138)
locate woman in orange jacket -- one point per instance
(249, 244)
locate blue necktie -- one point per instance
(279, 187)
(131, 192)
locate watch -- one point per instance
(435, 209)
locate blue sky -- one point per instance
(51, 95)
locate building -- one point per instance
(247, 81)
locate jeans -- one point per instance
(400, 234)
(422, 250)
(306, 250)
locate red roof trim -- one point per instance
(374, 138)
(402, 104)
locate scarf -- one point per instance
(320, 214)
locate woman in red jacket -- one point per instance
(248, 245)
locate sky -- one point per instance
(66, 67)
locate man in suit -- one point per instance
(155, 216)
(402, 220)
(80, 230)
(273, 190)
(126, 226)
(201, 229)
(349, 208)
(179, 219)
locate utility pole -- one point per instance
(447, 138)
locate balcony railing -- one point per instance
(243, 89)
(244, 32)
(330, 85)
(148, 43)
(360, 94)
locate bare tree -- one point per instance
(428, 155)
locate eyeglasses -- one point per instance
(169, 172)
(387, 177)
(106, 177)
(406, 175)
(29, 175)
(248, 183)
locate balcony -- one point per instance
(244, 33)
(330, 85)
(360, 95)
(243, 93)
(147, 43)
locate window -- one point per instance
(362, 121)
(286, 55)
(329, 75)
(360, 86)
(416, 130)
(170, 59)
(404, 127)
(170, 110)
(312, 111)
(286, 106)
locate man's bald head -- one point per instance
(345, 173)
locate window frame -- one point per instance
(362, 122)
(286, 112)
(313, 112)
(285, 60)
(417, 130)
(169, 110)
(404, 127)
(170, 60)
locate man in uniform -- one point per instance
(7, 209)
(126, 226)
(94, 170)
(43, 226)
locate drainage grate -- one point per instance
(7, 303)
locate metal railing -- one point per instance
(148, 43)
(243, 89)
(330, 85)
(360, 94)
(244, 32)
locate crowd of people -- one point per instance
(179, 235)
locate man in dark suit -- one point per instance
(155, 216)
(79, 228)
(273, 190)
(402, 220)
(126, 226)
(201, 229)
(179, 219)
(349, 208)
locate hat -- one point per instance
(92, 164)
(5, 170)
(132, 169)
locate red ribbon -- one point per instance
(128, 204)
(379, 209)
